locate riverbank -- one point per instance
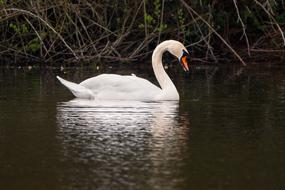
(81, 32)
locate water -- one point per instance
(226, 132)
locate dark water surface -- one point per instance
(227, 132)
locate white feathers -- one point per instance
(77, 90)
(118, 87)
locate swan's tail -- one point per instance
(76, 89)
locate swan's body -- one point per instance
(118, 87)
(111, 86)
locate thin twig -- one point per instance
(46, 23)
(272, 18)
(38, 35)
(217, 34)
(161, 21)
(243, 27)
(268, 50)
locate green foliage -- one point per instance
(149, 22)
(157, 8)
(181, 20)
(19, 28)
(88, 27)
(149, 19)
(34, 45)
(162, 27)
(152, 21)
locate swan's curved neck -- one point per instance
(163, 79)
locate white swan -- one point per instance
(118, 87)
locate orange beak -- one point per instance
(183, 60)
(184, 63)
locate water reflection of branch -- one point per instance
(210, 73)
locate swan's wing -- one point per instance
(76, 89)
(111, 86)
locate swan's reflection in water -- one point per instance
(133, 145)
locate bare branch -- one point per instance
(46, 23)
(273, 19)
(243, 27)
(217, 34)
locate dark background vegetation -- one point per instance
(56, 31)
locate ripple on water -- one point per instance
(122, 143)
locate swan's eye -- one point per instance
(183, 60)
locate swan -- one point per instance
(131, 87)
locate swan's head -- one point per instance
(178, 50)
